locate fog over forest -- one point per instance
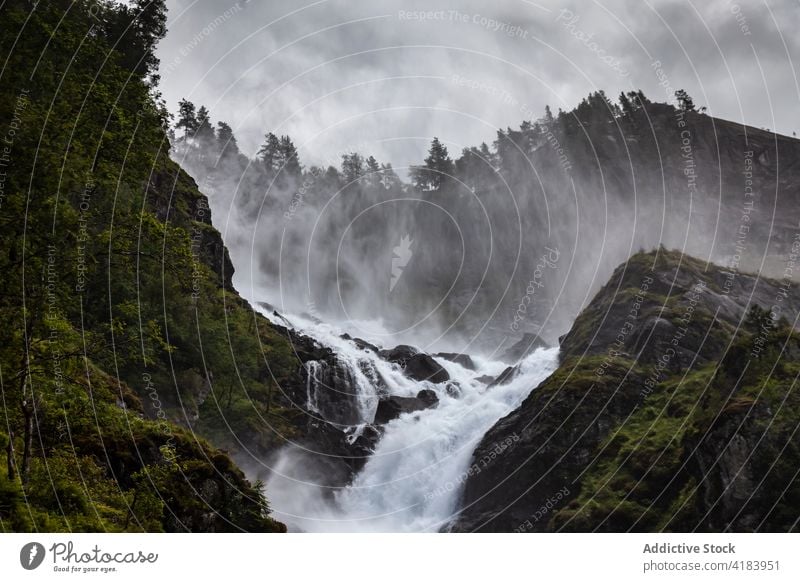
(479, 246)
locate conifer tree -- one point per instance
(625, 104)
(187, 118)
(270, 154)
(685, 103)
(204, 131)
(438, 167)
(352, 167)
(289, 161)
(372, 171)
(226, 141)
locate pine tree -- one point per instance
(270, 155)
(289, 161)
(372, 172)
(601, 109)
(685, 103)
(134, 30)
(508, 145)
(352, 167)
(226, 141)
(373, 165)
(205, 131)
(187, 118)
(468, 167)
(438, 167)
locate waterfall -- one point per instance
(312, 381)
(413, 480)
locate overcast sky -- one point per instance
(379, 77)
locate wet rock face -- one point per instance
(332, 394)
(304, 347)
(329, 435)
(330, 457)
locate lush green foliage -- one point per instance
(703, 433)
(119, 318)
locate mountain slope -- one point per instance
(124, 346)
(675, 408)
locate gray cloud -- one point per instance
(340, 75)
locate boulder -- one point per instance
(416, 365)
(429, 397)
(393, 406)
(399, 354)
(423, 367)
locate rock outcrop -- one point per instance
(393, 406)
(416, 365)
(671, 409)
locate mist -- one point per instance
(474, 248)
(382, 79)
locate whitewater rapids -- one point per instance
(413, 481)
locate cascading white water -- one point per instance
(312, 369)
(413, 480)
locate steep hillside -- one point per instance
(124, 346)
(675, 408)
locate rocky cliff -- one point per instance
(675, 408)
